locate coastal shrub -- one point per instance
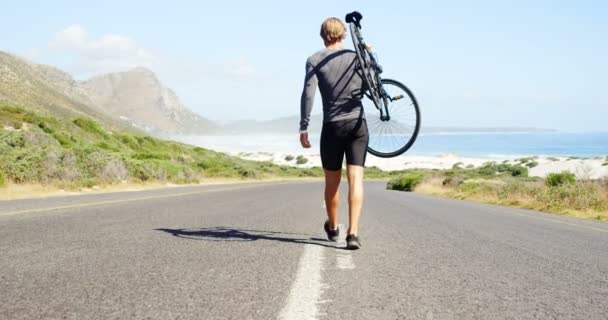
(138, 169)
(90, 126)
(605, 164)
(471, 189)
(301, 159)
(518, 171)
(63, 139)
(572, 196)
(504, 167)
(552, 159)
(12, 109)
(406, 182)
(213, 164)
(532, 164)
(248, 173)
(23, 165)
(91, 160)
(457, 165)
(310, 172)
(12, 139)
(150, 155)
(558, 179)
(88, 182)
(114, 171)
(488, 169)
(470, 166)
(289, 157)
(106, 146)
(128, 140)
(2, 179)
(514, 190)
(452, 181)
(524, 160)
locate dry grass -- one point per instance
(14, 191)
(585, 199)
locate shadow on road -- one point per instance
(233, 234)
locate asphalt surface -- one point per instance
(257, 251)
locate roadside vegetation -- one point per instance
(79, 153)
(509, 184)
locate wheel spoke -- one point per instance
(392, 137)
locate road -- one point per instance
(257, 251)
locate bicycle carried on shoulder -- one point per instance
(396, 129)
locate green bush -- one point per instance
(12, 139)
(90, 126)
(472, 188)
(106, 146)
(289, 157)
(2, 179)
(532, 164)
(457, 165)
(406, 182)
(88, 182)
(487, 170)
(504, 167)
(63, 139)
(129, 141)
(558, 179)
(577, 196)
(23, 165)
(518, 171)
(150, 155)
(552, 159)
(301, 160)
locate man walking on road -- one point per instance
(344, 132)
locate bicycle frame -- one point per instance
(377, 93)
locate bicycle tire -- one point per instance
(376, 127)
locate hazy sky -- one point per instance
(470, 63)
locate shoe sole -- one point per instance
(353, 246)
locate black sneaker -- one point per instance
(352, 242)
(332, 235)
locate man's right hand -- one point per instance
(304, 140)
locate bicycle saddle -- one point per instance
(354, 17)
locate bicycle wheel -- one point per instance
(395, 136)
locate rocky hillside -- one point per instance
(138, 96)
(133, 98)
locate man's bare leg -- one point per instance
(355, 197)
(332, 199)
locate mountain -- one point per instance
(44, 88)
(291, 125)
(279, 125)
(138, 96)
(134, 98)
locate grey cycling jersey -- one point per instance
(340, 85)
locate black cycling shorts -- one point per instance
(342, 137)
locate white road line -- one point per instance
(305, 294)
(344, 261)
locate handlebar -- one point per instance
(354, 17)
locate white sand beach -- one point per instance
(584, 168)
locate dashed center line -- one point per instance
(305, 294)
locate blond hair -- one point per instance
(333, 30)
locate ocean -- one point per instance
(483, 145)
